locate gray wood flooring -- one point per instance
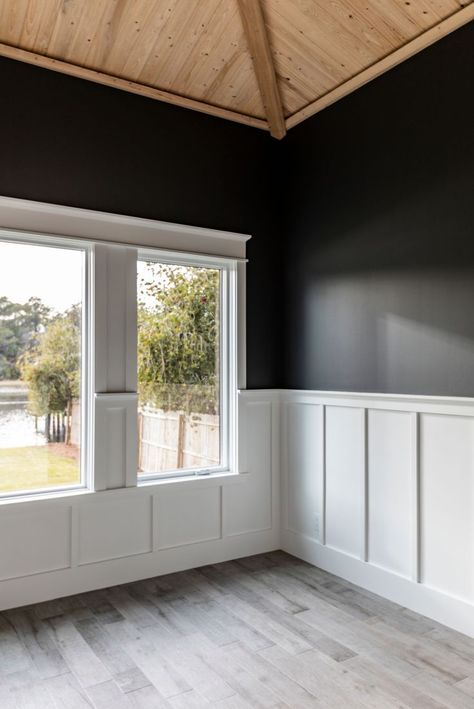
(266, 631)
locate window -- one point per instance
(82, 407)
(183, 367)
(42, 345)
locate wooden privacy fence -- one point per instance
(76, 423)
(170, 440)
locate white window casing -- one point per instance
(38, 217)
(112, 244)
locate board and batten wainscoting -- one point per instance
(62, 545)
(379, 489)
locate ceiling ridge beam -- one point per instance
(423, 40)
(259, 46)
(133, 87)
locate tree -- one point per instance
(20, 326)
(34, 315)
(52, 367)
(8, 353)
(178, 338)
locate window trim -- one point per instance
(85, 469)
(51, 224)
(96, 227)
(228, 375)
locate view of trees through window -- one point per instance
(178, 367)
(40, 366)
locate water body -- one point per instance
(17, 426)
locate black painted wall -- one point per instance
(380, 233)
(361, 272)
(76, 143)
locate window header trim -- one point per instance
(42, 218)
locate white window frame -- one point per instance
(86, 378)
(40, 223)
(228, 360)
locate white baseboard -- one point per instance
(66, 582)
(439, 606)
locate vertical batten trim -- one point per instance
(242, 434)
(224, 514)
(131, 446)
(365, 486)
(275, 465)
(271, 461)
(221, 512)
(154, 522)
(416, 492)
(151, 502)
(284, 453)
(322, 532)
(74, 536)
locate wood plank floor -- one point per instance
(266, 631)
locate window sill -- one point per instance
(211, 480)
(218, 479)
(44, 495)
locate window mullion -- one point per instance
(115, 398)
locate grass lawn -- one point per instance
(36, 467)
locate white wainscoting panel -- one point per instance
(34, 541)
(398, 495)
(345, 473)
(248, 507)
(115, 460)
(447, 504)
(188, 516)
(391, 490)
(304, 424)
(110, 529)
(377, 489)
(61, 545)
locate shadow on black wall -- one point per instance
(380, 250)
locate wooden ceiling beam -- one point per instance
(115, 82)
(430, 36)
(260, 76)
(259, 46)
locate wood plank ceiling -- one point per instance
(266, 63)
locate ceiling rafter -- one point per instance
(259, 46)
(430, 36)
(133, 87)
(268, 64)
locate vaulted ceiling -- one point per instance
(266, 63)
